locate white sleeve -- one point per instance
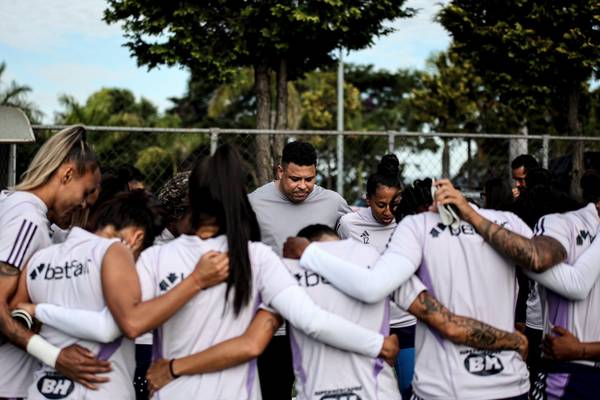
(146, 273)
(406, 294)
(20, 238)
(296, 306)
(573, 282)
(342, 228)
(98, 326)
(398, 262)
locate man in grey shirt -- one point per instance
(286, 205)
(283, 207)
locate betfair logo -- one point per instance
(69, 270)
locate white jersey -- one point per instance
(364, 228)
(24, 229)
(324, 372)
(534, 315)
(575, 231)
(466, 275)
(69, 275)
(163, 267)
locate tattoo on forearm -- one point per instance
(464, 330)
(536, 254)
(8, 270)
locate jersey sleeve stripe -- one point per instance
(17, 242)
(31, 236)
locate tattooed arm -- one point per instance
(464, 330)
(11, 331)
(224, 355)
(536, 254)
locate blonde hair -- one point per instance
(67, 145)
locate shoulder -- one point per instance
(350, 219)
(264, 191)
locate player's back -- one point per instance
(69, 274)
(575, 230)
(327, 373)
(465, 274)
(208, 319)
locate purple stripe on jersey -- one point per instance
(156, 345)
(297, 358)
(251, 377)
(25, 239)
(27, 245)
(252, 364)
(558, 308)
(556, 384)
(385, 331)
(16, 243)
(108, 349)
(425, 277)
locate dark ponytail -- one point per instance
(217, 192)
(388, 174)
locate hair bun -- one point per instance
(389, 165)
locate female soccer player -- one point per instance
(222, 219)
(61, 176)
(373, 226)
(565, 237)
(94, 271)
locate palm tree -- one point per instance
(14, 95)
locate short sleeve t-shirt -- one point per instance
(279, 218)
(162, 267)
(466, 275)
(575, 231)
(364, 228)
(323, 370)
(69, 274)
(24, 229)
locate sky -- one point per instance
(61, 47)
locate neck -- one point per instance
(45, 193)
(207, 231)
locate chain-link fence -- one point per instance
(468, 159)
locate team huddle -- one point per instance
(205, 291)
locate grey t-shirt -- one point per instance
(279, 218)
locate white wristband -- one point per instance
(42, 350)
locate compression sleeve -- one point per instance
(296, 306)
(98, 326)
(370, 285)
(573, 282)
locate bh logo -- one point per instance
(55, 386)
(483, 364)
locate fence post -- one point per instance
(340, 125)
(391, 142)
(12, 165)
(545, 151)
(214, 140)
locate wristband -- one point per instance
(42, 350)
(22, 317)
(173, 374)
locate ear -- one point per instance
(279, 171)
(137, 239)
(66, 173)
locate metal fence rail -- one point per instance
(467, 158)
